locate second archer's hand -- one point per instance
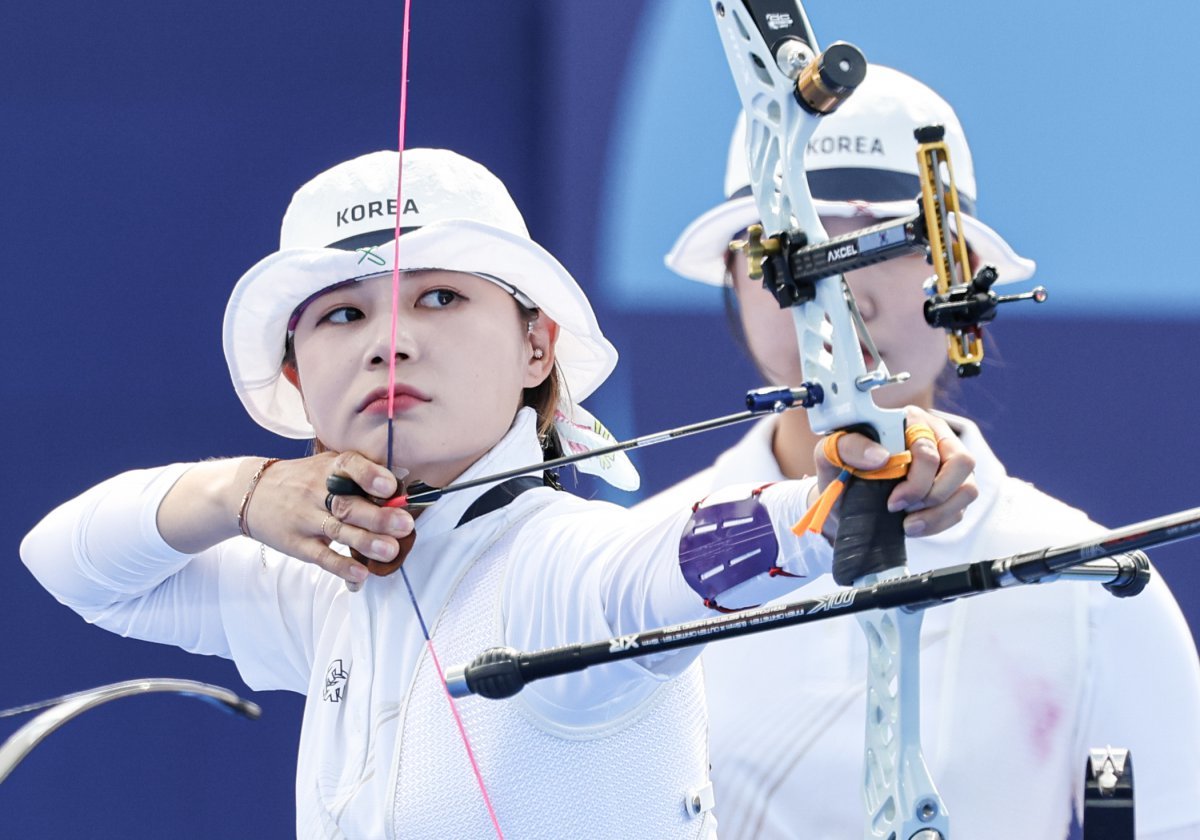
(940, 484)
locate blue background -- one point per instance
(148, 150)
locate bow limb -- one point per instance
(62, 710)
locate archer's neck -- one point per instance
(793, 445)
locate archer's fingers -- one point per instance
(858, 451)
(368, 516)
(375, 546)
(938, 468)
(934, 520)
(319, 554)
(913, 490)
(957, 471)
(364, 472)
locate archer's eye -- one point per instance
(343, 315)
(438, 298)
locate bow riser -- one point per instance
(777, 131)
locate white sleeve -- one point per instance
(589, 571)
(101, 555)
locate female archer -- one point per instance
(492, 347)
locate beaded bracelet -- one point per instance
(243, 526)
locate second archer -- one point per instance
(1015, 687)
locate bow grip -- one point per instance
(870, 538)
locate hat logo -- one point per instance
(369, 255)
(370, 209)
(844, 144)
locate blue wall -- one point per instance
(147, 152)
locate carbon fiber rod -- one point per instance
(502, 672)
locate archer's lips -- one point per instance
(406, 397)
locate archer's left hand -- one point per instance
(940, 483)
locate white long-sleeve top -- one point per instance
(573, 571)
(1016, 685)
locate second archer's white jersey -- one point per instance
(1016, 686)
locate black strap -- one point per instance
(863, 184)
(501, 495)
(370, 239)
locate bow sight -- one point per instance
(959, 302)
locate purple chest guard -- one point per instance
(726, 544)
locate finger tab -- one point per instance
(382, 569)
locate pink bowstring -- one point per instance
(396, 236)
(391, 416)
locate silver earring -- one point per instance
(529, 327)
(537, 353)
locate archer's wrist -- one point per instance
(201, 509)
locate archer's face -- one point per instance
(463, 357)
(891, 298)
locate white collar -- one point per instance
(518, 448)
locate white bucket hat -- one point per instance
(861, 160)
(456, 216)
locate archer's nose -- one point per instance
(402, 343)
(864, 297)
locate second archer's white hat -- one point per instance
(861, 160)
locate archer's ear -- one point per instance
(292, 374)
(541, 341)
